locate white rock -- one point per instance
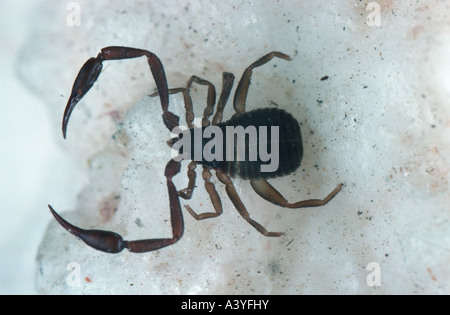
(379, 123)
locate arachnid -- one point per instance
(284, 134)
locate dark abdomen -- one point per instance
(290, 150)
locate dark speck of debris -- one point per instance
(324, 78)
(289, 243)
(273, 103)
(138, 222)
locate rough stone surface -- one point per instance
(373, 106)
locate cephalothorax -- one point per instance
(290, 150)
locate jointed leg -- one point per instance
(187, 104)
(210, 98)
(111, 242)
(227, 84)
(231, 191)
(240, 95)
(187, 192)
(215, 199)
(90, 71)
(268, 192)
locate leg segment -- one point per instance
(111, 242)
(227, 84)
(210, 98)
(187, 104)
(266, 191)
(242, 89)
(231, 191)
(214, 198)
(90, 71)
(187, 192)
